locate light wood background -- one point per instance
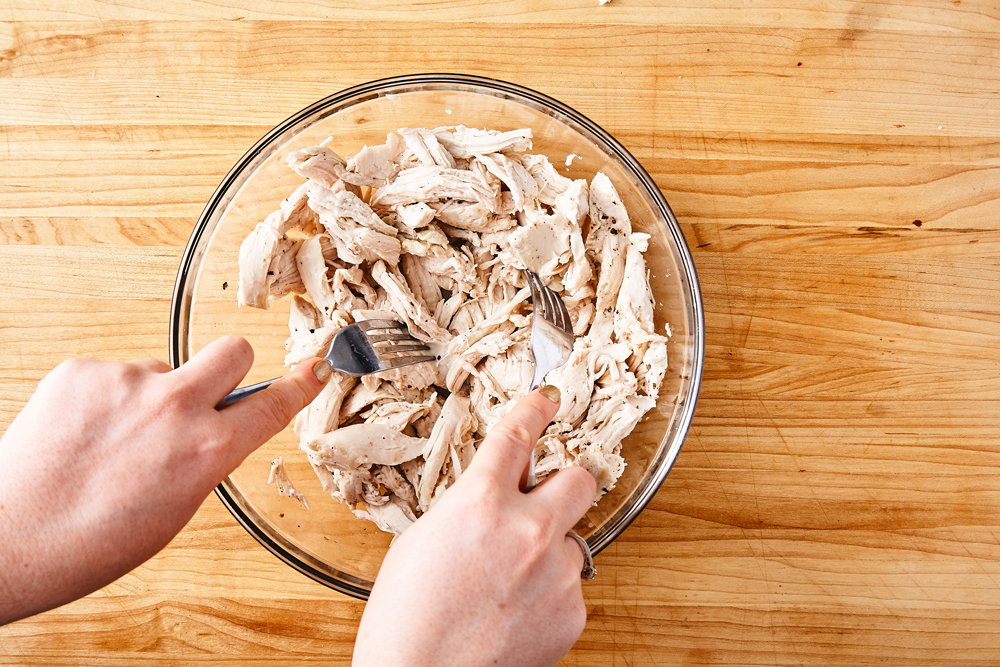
(836, 169)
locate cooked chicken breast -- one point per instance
(453, 430)
(519, 182)
(358, 234)
(550, 182)
(432, 183)
(262, 251)
(463, 142)
(378, 164)
(351, 447)
(421, 323)
(434, 229)
(425, 149)
(279, 477)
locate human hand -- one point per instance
(487, 576)
(108, 461)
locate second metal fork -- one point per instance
(551, 339)
(551, 330)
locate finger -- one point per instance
(260, 416)
(504, 453)
(217, 368)
(566, 495)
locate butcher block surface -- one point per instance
(835, 168)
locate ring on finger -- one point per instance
(589, 571)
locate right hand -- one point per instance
(487, 576)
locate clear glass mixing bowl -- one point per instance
(328, 543)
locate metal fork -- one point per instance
(551, 339)
(366, 347)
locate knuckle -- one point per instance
(537, 536)
(238, 347)
(479, 492)
(128, 371)
(299, 394)
(537, 412)
(157, 365)
(232, 351)
(281, 405)
(70, 365)
(71, 368)
(580, 482)
(66, 373)
(175, 398)
(512, 433)
(124, 377)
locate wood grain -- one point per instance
(851, 19)
(835, 167)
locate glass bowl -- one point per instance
(328, 543)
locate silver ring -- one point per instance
(589, 571)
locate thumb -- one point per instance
(504, 453)
(260, 416)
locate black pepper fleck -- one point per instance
(225, 285)
(917, 223)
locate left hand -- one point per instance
(108, 461)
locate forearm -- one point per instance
(51, 557)
(12, 584)
(28, 584)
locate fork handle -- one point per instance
(536, 382)
(243, 392)
(532, 480)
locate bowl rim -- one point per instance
(181, 305)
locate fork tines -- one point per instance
(368, 325)
(393, 343)
(548, 302)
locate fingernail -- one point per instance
(550, 392)
(322, 370)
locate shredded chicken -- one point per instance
(434, 228)
(279, 477)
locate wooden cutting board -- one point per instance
(836, 170)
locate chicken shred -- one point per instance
(279, 477)
(434, 228)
